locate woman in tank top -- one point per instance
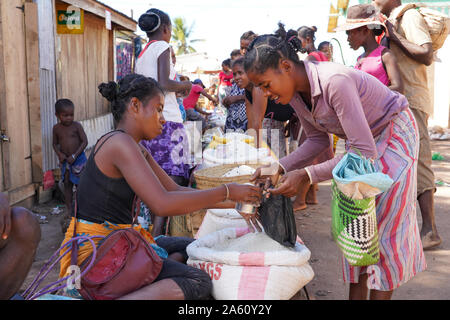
(119, 169)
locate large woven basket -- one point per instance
(213, 176)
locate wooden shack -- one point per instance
(52, 49)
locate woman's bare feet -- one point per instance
(311, 195)
(298, 206)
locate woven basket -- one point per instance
(186, 225)
(213, 176)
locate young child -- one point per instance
(69, 142)
(237, 115)
(225, 78)
(193, 111)
(327, 48)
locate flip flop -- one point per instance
(428, 243)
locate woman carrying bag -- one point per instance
(331, 98)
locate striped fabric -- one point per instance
(401, 253)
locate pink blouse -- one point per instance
(373, 64)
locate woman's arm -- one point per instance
(170, 185)
(346, 102)
(164, 73)
(129, 162)
(316, 143)
(392, 70)
(421, 53)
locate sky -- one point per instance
(221, 23)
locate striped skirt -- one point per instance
(401, 253)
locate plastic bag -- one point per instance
(355, 176)
(277, 219)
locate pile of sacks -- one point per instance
(244, 265)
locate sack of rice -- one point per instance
(218, 219)
(250, 266)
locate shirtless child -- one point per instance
(69, 142)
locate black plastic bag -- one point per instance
(277, 218)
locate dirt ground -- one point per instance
(313, 225)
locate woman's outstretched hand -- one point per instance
(290, 183)
(267, 175)
(245, 193)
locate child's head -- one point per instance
(327, 48)
(239, 74)
(64, 111)
(156, 23)
(199, 82)
(246, 39)
(226, 65)
(138, 99)
(271, 61)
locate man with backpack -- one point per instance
(411, 43)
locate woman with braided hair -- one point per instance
(119, 169)
(330, 98)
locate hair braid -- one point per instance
(266, 50)
(132, 85)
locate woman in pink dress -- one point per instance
(362, 27)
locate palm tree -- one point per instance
(180, 36)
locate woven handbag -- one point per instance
(354, 228)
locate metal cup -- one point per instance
(247, 208)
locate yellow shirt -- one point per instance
(413, 28)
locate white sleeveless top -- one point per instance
(147, 65)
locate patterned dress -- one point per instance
(401, 253)
(237, 115)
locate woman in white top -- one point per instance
(171, 148)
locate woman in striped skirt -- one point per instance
(331, 98)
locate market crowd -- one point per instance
(278, 83)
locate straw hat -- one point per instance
(362, 15)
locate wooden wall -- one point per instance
(14, 117)
(83, 62)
